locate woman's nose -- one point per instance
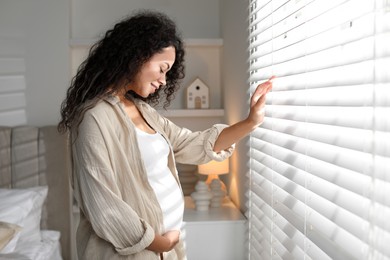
(162, 80)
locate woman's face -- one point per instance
(153, 73)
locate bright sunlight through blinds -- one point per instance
(319, 180)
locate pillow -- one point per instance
(9, 234)
(32, 225)
(23, 207)
(14, 208)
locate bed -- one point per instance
(35, 195)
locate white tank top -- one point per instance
(154, 151)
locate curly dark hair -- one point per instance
(115, 60)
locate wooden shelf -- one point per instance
(215, 42)
(193, 113)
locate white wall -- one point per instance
(234, 15)
(196, 19)
(40, 28)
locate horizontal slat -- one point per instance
(287, 247)
(13, 118)
(291, 214)
(324, 205)
(345, 137)
(307, 64)
(261, 10)
(307, 23)
(381, 70)
(291, 75)
(296, 182)
(288, 17)
(256, 237)
(343, 14)
(327, 172)
(351, 117)
(277, 11)
(353, 52)
(255, 254)
(361, 208)
(261, 37)
(337, 36)
(12, 46)
(325, 160)
(330, 194)
(351, 74)
(382, 96)
(382, 21)
(12, 66)
(318, 226)
(266, 234)
(381, 237)
(322, 195)
(12, 83)
(363, 95)
(381, 45)
(12, 101)
(341, 157)
(334, 37)
(301, 244)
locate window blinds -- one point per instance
(319, 179)
(12, 81)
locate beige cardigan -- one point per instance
(120, 213)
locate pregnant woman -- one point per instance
(124, 152)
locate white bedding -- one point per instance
(46, 249)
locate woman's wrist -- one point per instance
(251, 124)
(159, 244)
(164, 243)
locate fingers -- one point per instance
(265, 87)
(261, 90)
(260, 102)
(271, 78)
(173, 235)
(269, 83)
(173, 238)
(258, 99)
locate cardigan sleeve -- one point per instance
(194, 147)
(197, 147)
(99, 196)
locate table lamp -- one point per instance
(213, 169)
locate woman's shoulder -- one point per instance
(100, 118)
(100, 107)
(100, 111)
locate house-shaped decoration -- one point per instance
(197, 95)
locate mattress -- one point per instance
(47, 249)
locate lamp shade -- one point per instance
(214, 168)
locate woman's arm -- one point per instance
(236, 132)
